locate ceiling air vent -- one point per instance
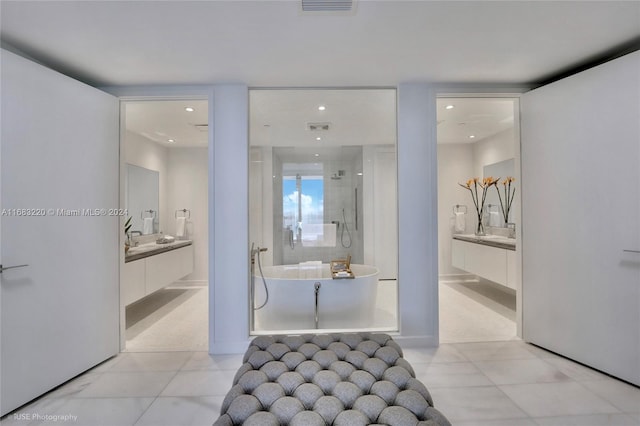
(318, 127)
(202, 127)
(327, 5)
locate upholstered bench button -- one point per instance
(252, 379)
(308, 394)
(363, 380)
(368, 347)
(242, 407)
(371, 406)
(351, 418)
(278, 350)
(293, 359)
(388, 354)
(401, 362)
(342, 369)
(293, 342)
(308, 369)
(259, 358)
(398, 376)
(273, 369)
(263, 342)
(356, 358)
(412, 401)
(285, 408)
(347, 393)
(328, 407)
(351, 340)
(307, 418)
(418, 386)
(262, 418)
(308, 350)
(325, 358)
(385, 390)
(322, 340)
(397, 416)
(290, 381)
(326, 380)
(268, 393)
(375, 366)
(341, 350)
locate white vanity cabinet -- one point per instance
(144, 276)
(492, 263)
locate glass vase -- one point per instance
(480, 228)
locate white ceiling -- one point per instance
(266, 43)
(473, 119)
(271, 43)
(161, 121)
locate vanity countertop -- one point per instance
(488, 240)
(151, 249)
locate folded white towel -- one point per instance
(494, 219)
(147, 226)
(460, 222)
(181, 227)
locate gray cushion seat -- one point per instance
(327, 379)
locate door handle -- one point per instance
(4, 268)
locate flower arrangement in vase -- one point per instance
(508, 197)
(479, 198)
(127, 227)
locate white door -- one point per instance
(581, 217)
(59, 153)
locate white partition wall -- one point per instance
(59, 315)
(581, 217)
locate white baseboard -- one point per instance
(447, 278)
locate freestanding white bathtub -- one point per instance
(342, 303)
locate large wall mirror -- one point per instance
(142, 195)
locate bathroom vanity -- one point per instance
(152, 266)
(491, 257)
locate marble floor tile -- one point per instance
(474, 403)
(624, 396)
(183, 411)
(487, 351)
(574, 370)
(557, 399)
(74, 386)
(524, 421)
(151, 361)
(130, 384)
(443, 353)
(513, 371)
(206, 361)
(200, 383)
(102, 411)
(589, 420)
(33, 413)
(458, 374)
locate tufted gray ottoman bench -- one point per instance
(337, 379)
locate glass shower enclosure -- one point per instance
(323, 210)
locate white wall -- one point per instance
(493, 149)
(455, 165)
(187, 189)
(143, 152)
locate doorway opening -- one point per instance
(479, 219)
(164, 298)
(323, 210)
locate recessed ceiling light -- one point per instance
(189, 109)
(322, 108)
(318, 138)
(360, 174)
(449, 107)
(171, 140)
(316, 155)
(472, 136)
